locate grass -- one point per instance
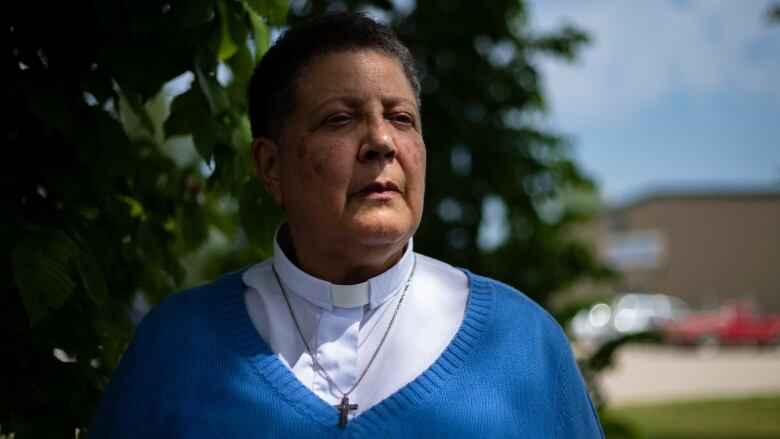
(748, 418)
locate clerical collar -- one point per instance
(324, 294)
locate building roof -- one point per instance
(695, 192)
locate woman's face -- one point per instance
(351, 158)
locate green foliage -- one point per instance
(41, 263)
(109, 188)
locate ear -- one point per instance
(265, 156)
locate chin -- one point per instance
(380, 231)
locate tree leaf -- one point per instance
(155, 282)
(41, 272)
(136, 104)
(259, 32)
(92, 276)
(275, 10)
(204, 135)
(190, 115)
(185, 109)
(215, 94)
(227, 47)
(242, 134)
(242, 65)
(233, 169)
(192, 228)
(258, 213)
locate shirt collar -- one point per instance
(373, 292)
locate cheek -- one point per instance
(321, 165)
(415, 175)
(309, 165)
(302, 149)
(419, 162)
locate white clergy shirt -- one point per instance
(344, 324)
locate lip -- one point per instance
(379, 190)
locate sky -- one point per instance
(669, 94)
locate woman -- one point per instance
(345, 331)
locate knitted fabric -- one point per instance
(197, 368)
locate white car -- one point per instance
(627, 313)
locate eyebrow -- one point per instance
(354, 101)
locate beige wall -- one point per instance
(712, 247)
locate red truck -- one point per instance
(737, 322)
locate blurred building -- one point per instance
(703, 246)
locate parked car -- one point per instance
(627, 313)
(736, 322)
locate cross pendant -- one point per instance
(344, 408)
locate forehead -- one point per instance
(357, 74)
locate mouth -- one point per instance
(379, 190)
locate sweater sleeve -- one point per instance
(117, 414)
(577, 418)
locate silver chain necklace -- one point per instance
(345, 406)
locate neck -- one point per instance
(337, 265)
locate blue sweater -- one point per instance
(197, 368)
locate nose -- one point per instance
(378, 143)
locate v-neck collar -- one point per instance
(242, 334)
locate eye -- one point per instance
(337, 119)
(404, 120)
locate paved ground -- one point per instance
(656, 374)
